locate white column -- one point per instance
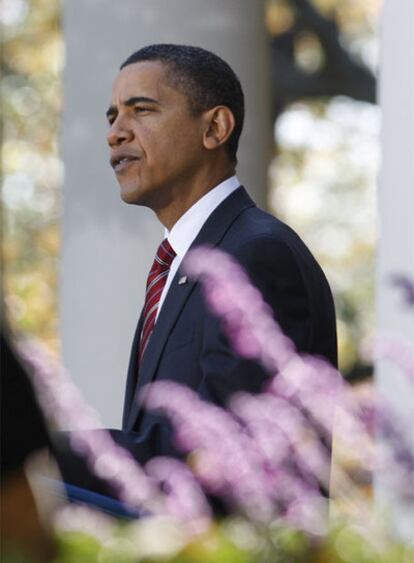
(108, 246)
(396, 219)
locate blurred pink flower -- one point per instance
(64, 405)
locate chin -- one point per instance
(143, 195)
(131, 196)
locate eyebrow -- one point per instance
(131, 102)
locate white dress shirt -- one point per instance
(189, 225)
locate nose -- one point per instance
(118, 133)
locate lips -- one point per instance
(121, 161)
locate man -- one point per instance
(175, 119)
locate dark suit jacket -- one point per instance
(187, 344)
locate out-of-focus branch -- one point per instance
(341, 73)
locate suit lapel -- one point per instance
(211, 233)
(132, 373)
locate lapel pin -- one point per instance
(182, 280)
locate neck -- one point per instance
(185, 199)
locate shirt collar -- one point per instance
(189, 225)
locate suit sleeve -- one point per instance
(274, 270)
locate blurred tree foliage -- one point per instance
(31, 98)
(323, 174)
(323, 57)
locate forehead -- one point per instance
(146, 78)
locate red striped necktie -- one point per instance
(155, 284)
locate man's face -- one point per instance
(155, 141)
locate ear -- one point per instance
(219, 126)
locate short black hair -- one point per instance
(203, 77)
